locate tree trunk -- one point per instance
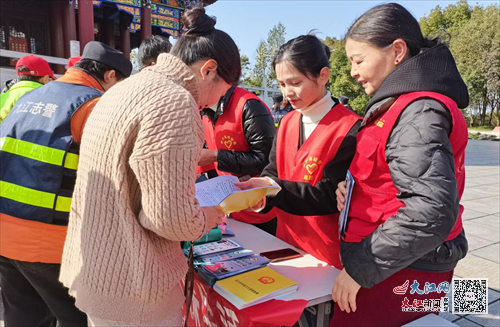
(471, 115)
(483, 111)
(491, 116)
(498, 112)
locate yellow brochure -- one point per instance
(220, 191)
(255, 287)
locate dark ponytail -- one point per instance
(383, 24)
(201, 40)
(306, 53)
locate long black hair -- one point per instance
(383, 24)
(201, 40)
(306, 53)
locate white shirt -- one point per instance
(312, 115)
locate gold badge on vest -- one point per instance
(228, 142)
(311, 165)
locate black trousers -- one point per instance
(33, 296)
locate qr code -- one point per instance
(470, 295)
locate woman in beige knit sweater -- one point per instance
(134, 199)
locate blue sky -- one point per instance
(249, 21)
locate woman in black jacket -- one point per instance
(404, 233)
(239, 134)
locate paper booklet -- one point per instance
(211, 259)
(220, 191)
(345, 212)
(220, 270)
(254, 287)
(219, 247)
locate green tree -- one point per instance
(341, 82)
(475, 48)
(473, 34)
(491, 70)
(265, 53)
(275, 38)
(434, 24)
(444, 22)
(260, 67)
(245, 67)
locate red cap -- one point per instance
(73, 60)
(37, 66)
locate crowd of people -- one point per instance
(98, 170)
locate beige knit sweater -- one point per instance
(134, 199)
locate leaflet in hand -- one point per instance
(221, 191)
(344, 213)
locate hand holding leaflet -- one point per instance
(222, 192)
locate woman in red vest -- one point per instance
(239, 134)
(404, 233)
(312, 151)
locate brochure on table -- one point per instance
(222, 260)
(255, 287)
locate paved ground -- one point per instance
(481, 200)
(481, 217)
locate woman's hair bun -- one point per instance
(327, 51)
(197, 22)
(313, 33)
(428, 43)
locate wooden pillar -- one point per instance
(108, 32)
(69, 27)
(125, 38)
(56, 34)
(146, 29)
(85, 22)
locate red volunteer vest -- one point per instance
(228, 135)
(317, 235)
(374, 198)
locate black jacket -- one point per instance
(421, 163)
(259, 130)
(304, 199)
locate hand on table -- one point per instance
(344, 291)
(341, 193)
(207, 157)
